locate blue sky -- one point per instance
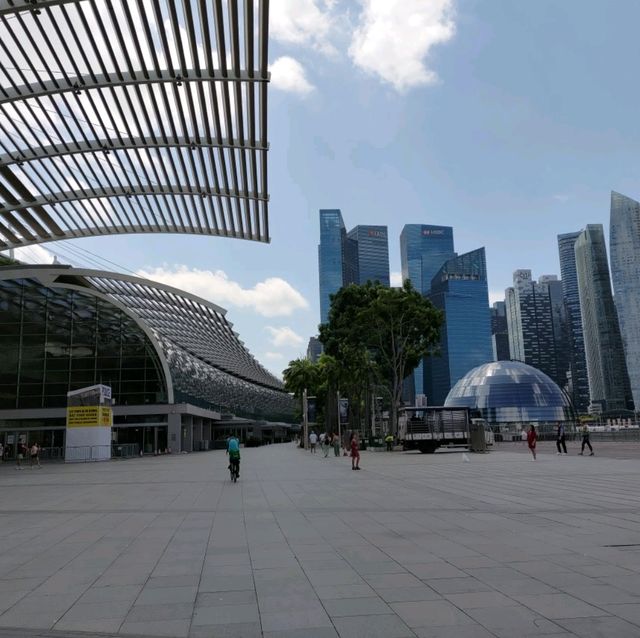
(510, 121)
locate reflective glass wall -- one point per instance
(55, 340)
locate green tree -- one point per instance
(396, 326)
(301, 375)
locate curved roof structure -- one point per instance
(133, 116)
(173, 319)
(510, 392)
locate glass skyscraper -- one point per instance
(609, 387)
(331, 257)
(358, 256)
(624, 243)
(499, 332)
(535, 320)
(578, 381)
(423, 250)
(460, 289)
(371, 253)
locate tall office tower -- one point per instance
(314, 349)
(530, 320)
(331, 257)
(460, 289)
(578, 381)
(499, 332)
(423, 251)
(624, 243)
(358, 256)
(371, 253)
(551, 286)
(609, 386)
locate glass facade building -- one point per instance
(62, 329)
(424, 249)
(371, 253)
(460, 290)
(609, 387)
(578, 385)
(499, 332)
(512, 393)
(535, 320)
(624, 243)
(355, 257)
(331, 258)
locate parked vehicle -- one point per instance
(428, 428)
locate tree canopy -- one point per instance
(373, 329)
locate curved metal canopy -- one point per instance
(133, 116)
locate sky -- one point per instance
(510, 121)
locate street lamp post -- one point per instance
(305, 420)
(339, 419)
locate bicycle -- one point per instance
(234, 469)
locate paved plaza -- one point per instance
(413, 545)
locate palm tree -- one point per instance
(301, 375)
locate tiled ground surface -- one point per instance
(302, 546)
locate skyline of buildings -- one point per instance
(544, 323)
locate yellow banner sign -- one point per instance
(87, 416)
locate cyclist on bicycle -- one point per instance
(233, 450)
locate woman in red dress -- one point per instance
(532, 437)
(355, 453)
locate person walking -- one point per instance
(34, 455)
(560, 441)
(532, 437)
(313, 439)
(326, 445)
(389, 441)
(584, 430)
(355, 452)
(335, 441)
(22, 452)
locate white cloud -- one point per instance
(35, 254)
(287, 74)
(274, 356)
(396, 279)
(302, 22)
(284, 337)
(394, 38)
(273, 297)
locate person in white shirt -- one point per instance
(313, 439)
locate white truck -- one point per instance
(428, 428)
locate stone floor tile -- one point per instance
(372, 627)
(171, 628)
(226, 614)
(234, 630)
(559, 606)
(300, 619)
(361, 590)
(356, 607)
(480, 599)
(407, 594)
(430, 614)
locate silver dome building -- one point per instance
(509, 394)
